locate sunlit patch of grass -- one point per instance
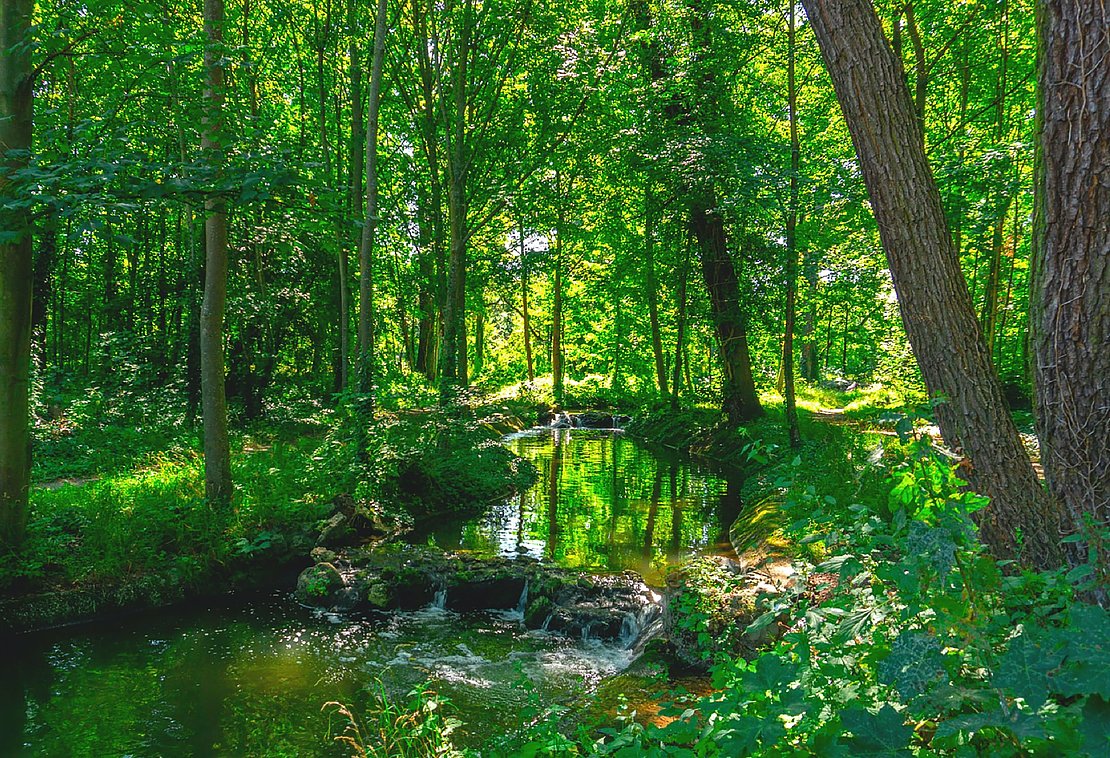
(155, 521)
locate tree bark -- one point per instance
(932, 294)
(680, 337)
(1071, 295)
(453, 351)
(739, 400)
(16, 273)
(652, 285)
(557, 314)
(217, 449)
(791, 411)
(366, 347)
(524, 308)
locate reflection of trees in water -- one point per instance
(601, 502)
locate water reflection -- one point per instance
(602, 502)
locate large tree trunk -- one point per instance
(1071, 318)
(16, 99)
(217, 450)
(932, 294)
(366, 347)
(739, 399)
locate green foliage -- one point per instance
(155, 522)
(418, 727)
(909, 639)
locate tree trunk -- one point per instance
(453, 351)
(1071, 294)
(217, 450)
(524, 308)
(680, 338)
(16, 274)
(557, 314)
(355, 166)
(932, 293)
(791, 410)
(366, 346)
(653, 292)
(738, 396)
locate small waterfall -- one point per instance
(439, 600)
(522, 604)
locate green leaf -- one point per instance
(877, 734)
(1096, 727)
(1024, 671)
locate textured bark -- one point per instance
(217, 451)
(1071, 317)
(366, 339)
(739, 399)
(932, 294)
(16, 100)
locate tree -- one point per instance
(366, 340)
(217, 449)
(791, 272)
(1071, 298)
(16, 272)
(1022, 520)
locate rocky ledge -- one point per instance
(616, 608)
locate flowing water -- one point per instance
(250, 678)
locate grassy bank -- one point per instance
(146, 536)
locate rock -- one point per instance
(321, 585)
(351, 524)
(617, 607)
(323, 555)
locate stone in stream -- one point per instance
(613, 608)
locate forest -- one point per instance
(505, 377)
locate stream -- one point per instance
(249, 677)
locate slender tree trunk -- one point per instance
(680, 338)
(453, 351)
(653, 292)
(16, 272)
(739, 399)
(1071, 293)
(557, 314)
(932, 294)
(217, 450)
(355, 173)
(44, 266)
(524, 307)
(792, 430)
(366, 341)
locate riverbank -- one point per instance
(146, 538)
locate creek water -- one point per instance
(250, 677)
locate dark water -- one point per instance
(250, 679)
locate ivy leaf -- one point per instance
(878, 734)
